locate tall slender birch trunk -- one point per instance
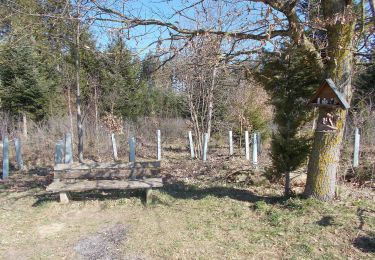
(78, 101)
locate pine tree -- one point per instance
(290, 88)
(24, 87)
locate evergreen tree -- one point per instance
(24, 85)
(290, 87)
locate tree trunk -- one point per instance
(372, 6)
(211, 102)
(78, 102)
(287, 184)
(24, 123)
(325, 154)
(70, 115)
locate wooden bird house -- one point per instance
(328, 96)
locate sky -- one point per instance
(164, 10)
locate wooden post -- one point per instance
(5, 158)
(255, 150)
(259, 141)
(114, 147)
(191, 145)
(131, 149)
(205, 147)
(64, 197)
(158, 133)
(148, 197)
(230, 143)
(68, 148)
(18, 145)
(356, 148)
(59, 152)
(247, 148)
(132, 156)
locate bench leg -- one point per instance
(148, 198)
(64, 197)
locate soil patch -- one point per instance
(105, 244)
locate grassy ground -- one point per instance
(189, 219)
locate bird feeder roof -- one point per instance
(328, 83)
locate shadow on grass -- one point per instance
(100, 195)
(22, 181)
(180, 190)
(176, 190)
(326, 221)
(366, 243)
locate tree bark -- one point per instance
(211, 101)
(24, 123)
(78, 102)
(287, 184)
(372, 6)
(70, 115)
(324, 158)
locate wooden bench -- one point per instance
(105, 176)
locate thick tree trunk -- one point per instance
(324, 158)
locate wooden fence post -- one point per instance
(132, 156)
(191, 145)
(18, 146)
(114, 147)
(5, 158)
(158, 134)
(255, 150)
(131, 149)
(59, 152)
(356, 148)
(68, 148)
(230, 143)
(205, 147)
(247, 148)
(259, 141)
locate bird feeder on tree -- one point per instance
(328, 98)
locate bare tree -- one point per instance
(272, 22)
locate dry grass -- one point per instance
(196, 216)
(221, 209)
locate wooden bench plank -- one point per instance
(85, 185)
(115, 174)
(150, 164)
